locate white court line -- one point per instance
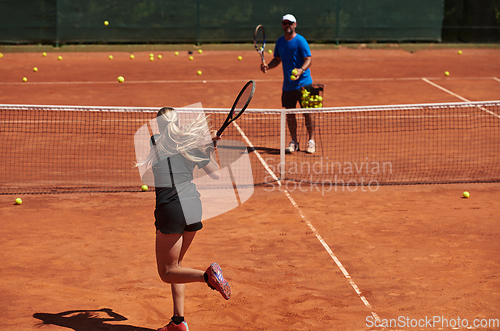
(313, 229)
(458, 96)
(498, 80)
(445, 90)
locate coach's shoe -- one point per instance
(175, 327)
(215, 280)
(311, 147)
(292, 147)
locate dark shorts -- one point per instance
(173, 218)
(289, 99)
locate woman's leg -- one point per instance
(170, 250)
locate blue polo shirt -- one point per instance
(292, 54)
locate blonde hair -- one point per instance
(174, 139)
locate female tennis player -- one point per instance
(178, 210)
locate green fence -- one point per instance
(222, 21)
(471, 21)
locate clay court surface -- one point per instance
(86, 261)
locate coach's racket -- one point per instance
(240, 104)
(259, 41)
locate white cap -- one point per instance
(289, 17)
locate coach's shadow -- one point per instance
(265, 150)
(87, 320)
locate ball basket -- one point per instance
(312, 96)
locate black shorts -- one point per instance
(172, 218)
(289, 99)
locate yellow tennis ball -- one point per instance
(466, 194)
(132, 56)
(59, 57)
(159, 56)
(1, 55)
(240, 58)
(144, 188)
(106, 23)
(292, 77)
(25, 79)
(18, 201)
(111, 57)
(151, 58)
(151, 55)
(294, 72)
(270, 51)
(120, 79)
(191, 58)
(199, 72)
(459, 52)
(35, 69)
(446, 73)
(44, 54)
(176, 53)
(200, 51)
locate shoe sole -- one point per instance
(223, 285)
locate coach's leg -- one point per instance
(291, 120)
(310, 125)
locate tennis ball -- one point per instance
(199, 72)
(459, 52)
(106, 23)
(19, 201)
(294, 72)
(59, 57)
(446, 73)
(466, 194)
(120, 79)
(191, 58)
(151, 58)
(176, 53)
(132, 56)
(1, 55)
(25, 79)
(44, 54)
(151, 55)
(111, 57)
(200, 51)
(270, 51)
(292, 77)
(35, 69)
(144, 188)
(240, 58)
(159, 56)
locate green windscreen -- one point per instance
(221, 21)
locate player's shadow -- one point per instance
(88, 320)
(265, 150)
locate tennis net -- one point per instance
(59, 149)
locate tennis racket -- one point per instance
(259, 41)
(240, 104)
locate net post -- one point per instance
(282, 144)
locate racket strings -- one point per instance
(259, 39)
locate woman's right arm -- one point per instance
(212, 168)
